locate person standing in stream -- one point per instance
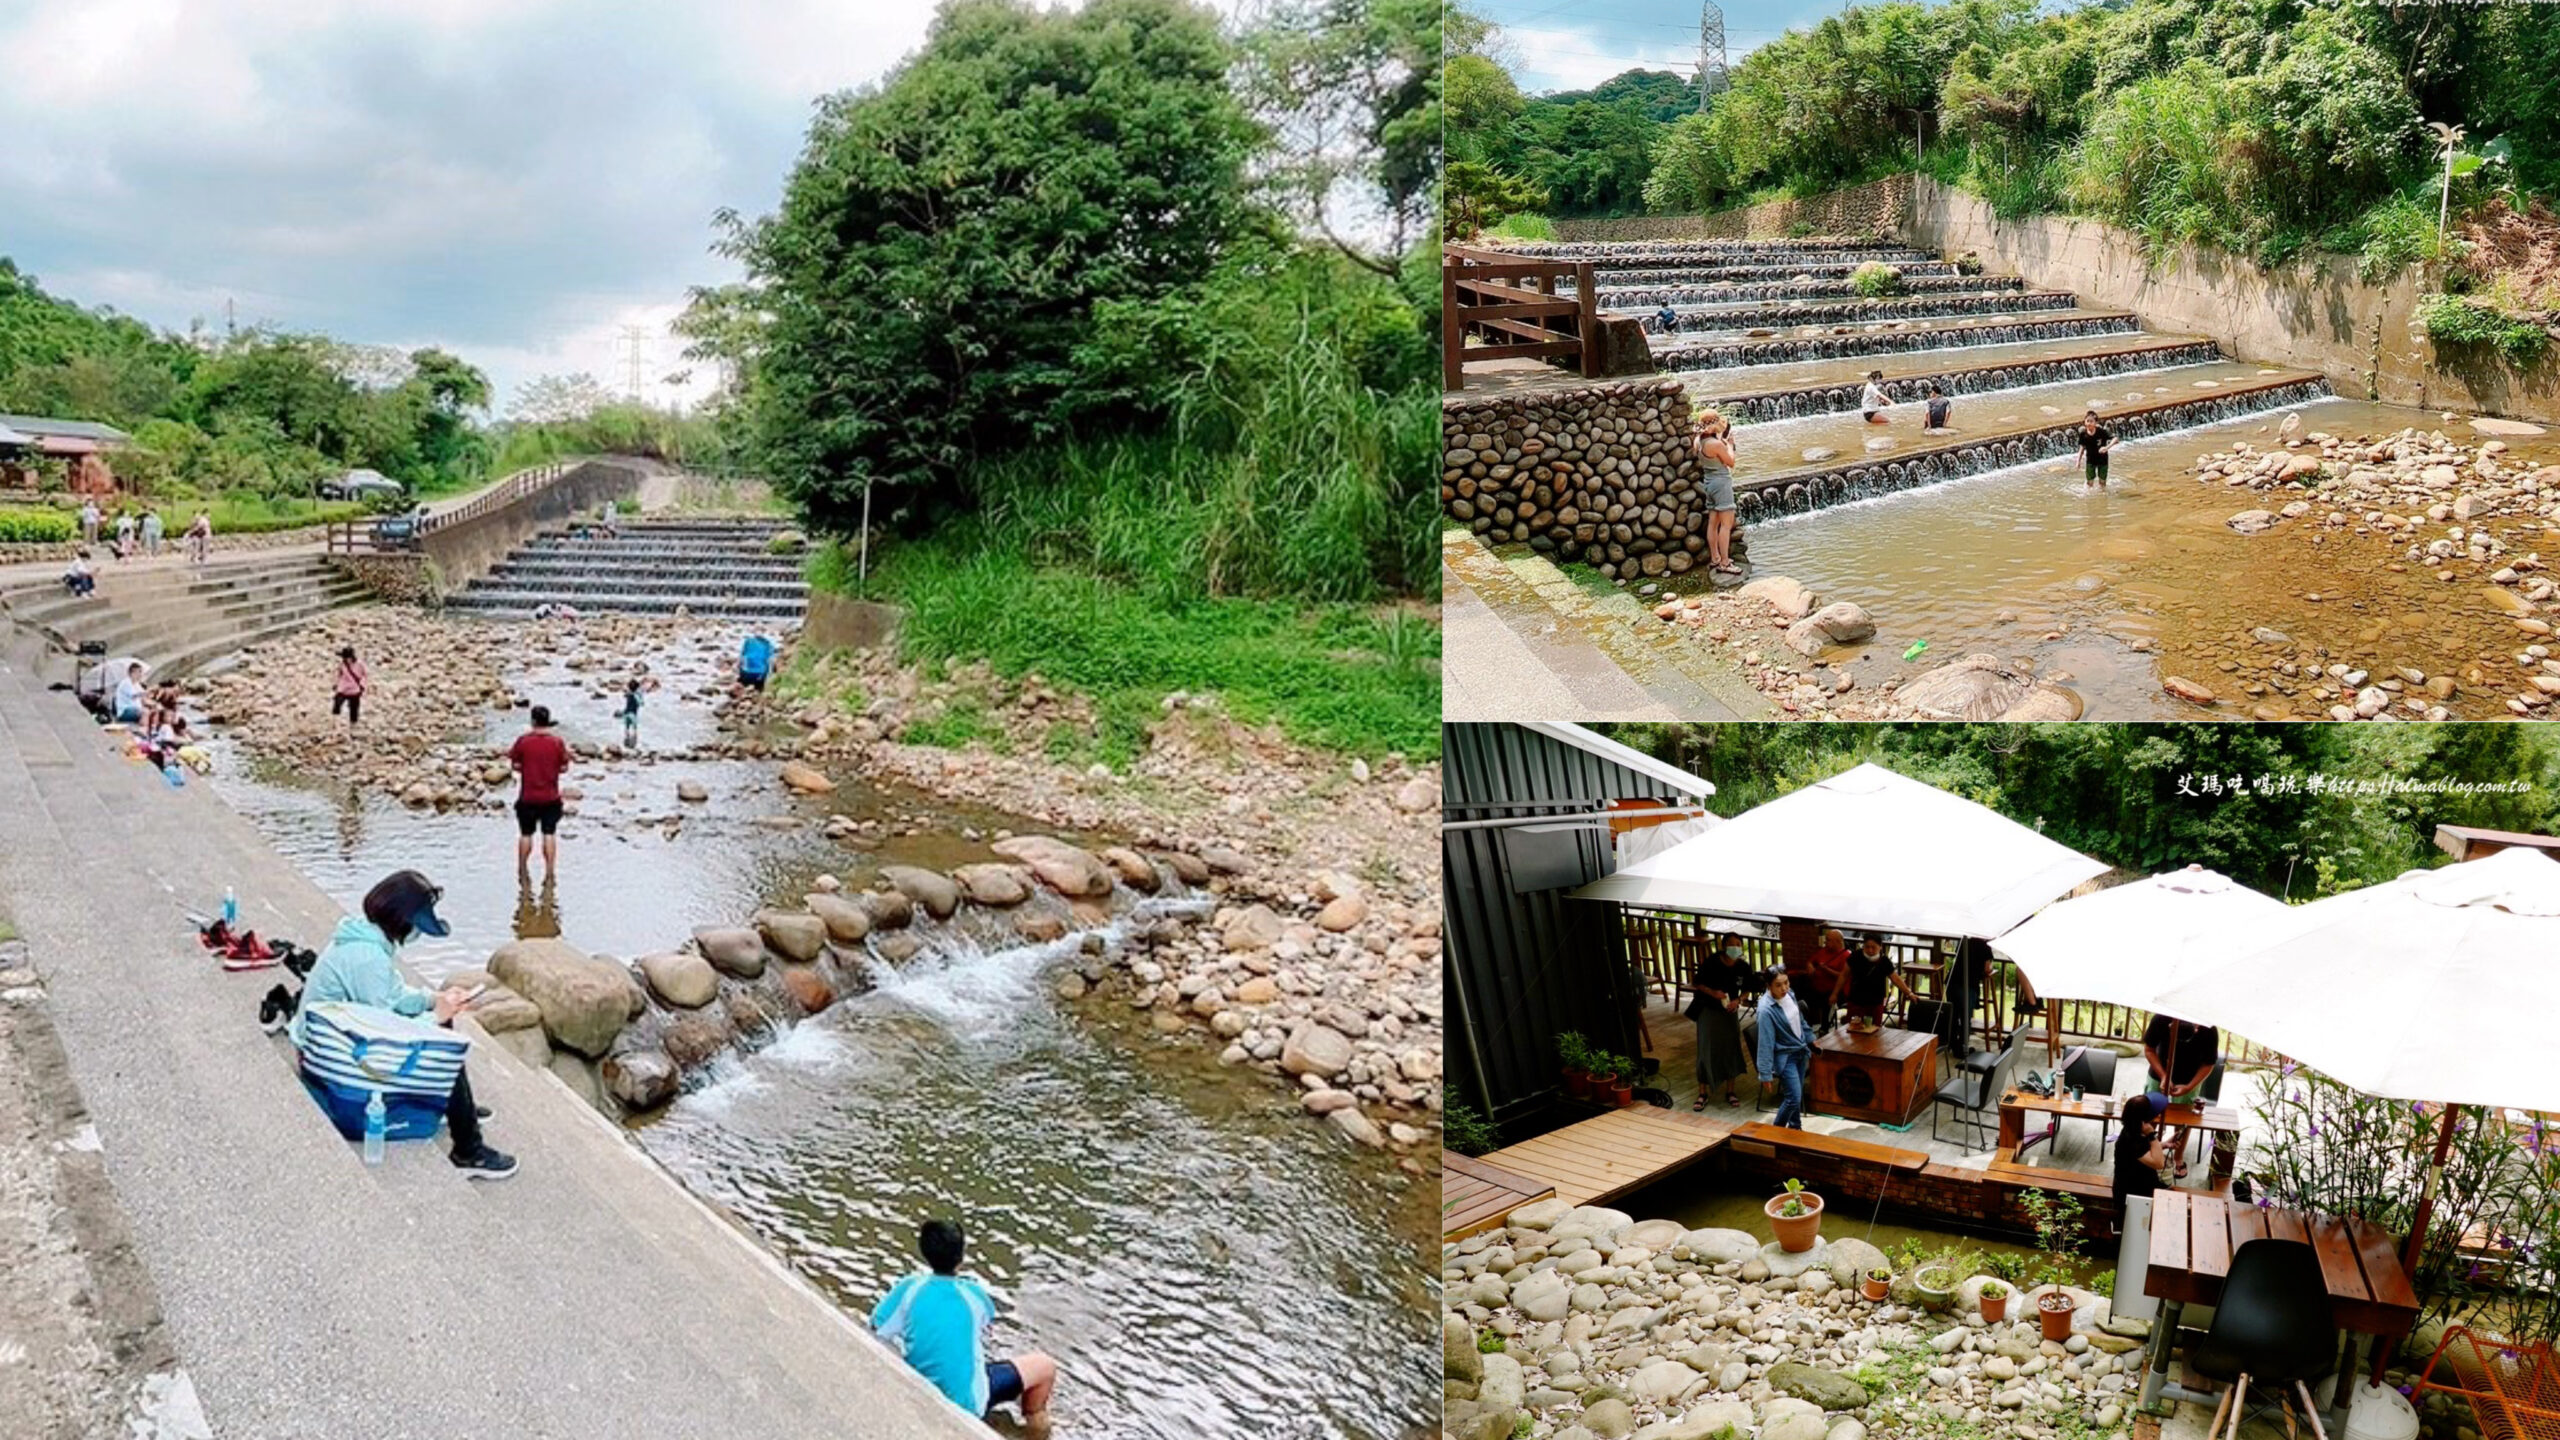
(2094, 440)
(1716, 462)
(539, 758)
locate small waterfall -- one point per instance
(974, 986)
(1772, 317)
(1700, 275)
(1785, 351)
(1796, 494)
(1615, 297)
(1840, 399)
(1712, 251)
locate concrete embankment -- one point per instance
(308, 1295)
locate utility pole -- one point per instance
(1711, 72)
(635, 339)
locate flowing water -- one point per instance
(1201, 1259)
(2000, 561)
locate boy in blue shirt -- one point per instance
(938, 1320)
(755, 662)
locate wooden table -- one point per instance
(2016, 1105)
(2192, 1237)
(1886, 1078)
(2221, 1122)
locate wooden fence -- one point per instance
(1511, 305)
(1926, 965)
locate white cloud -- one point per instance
(1562, 57)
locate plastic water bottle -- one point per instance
(230, 907)
(376, 1123)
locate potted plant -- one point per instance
(2057, 1221)
(1797, 1217)
(2053, 1313)
(1935, 1283)
(1995, 1301)
(1575, 1054)
(1877, 1284)
(1618, 1079)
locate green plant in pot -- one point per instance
(2057, 1221)
(1877, 1283)
(1935, 1284)
(1618, 1080)
(1796, 1214)
(1574, 1053)
(1995, 1301)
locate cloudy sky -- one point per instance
(1579, 43)
(514, 180)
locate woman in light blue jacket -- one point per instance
(1786, 1048)
(358, 968)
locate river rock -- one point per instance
(1701, 1422)
(1260, 990)
(1785, 595)
(888, 909)
(1418, 794)
(990, 884)
(1608, 1418)
(1542, 1296)
(1852, 1257)
(579, 1074)
(800, 937)
(692, 792)
(1255, 927)
(1542, 1214)
(1188, 868)
(2251, 522)
(528, 1044)
(897, 947)
(1359, 1127)
(1459, 1358)
(584, 1001)
(1314, 1049)
(641, 1080)
(808, 987)
(1827, 1388)
(1134, 869)
(499, 1010)
(2186, 689)
(846, 921)
(682, 980)
(934, 892)
(1838, 623)
(1039, 927)
(1975, 688)
(734, 949)
(1596, 1223)
(806, 779)
(1072, 872)
(1342, 913)
(1721, 1247)
(696, 1039)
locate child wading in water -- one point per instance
(631, 710)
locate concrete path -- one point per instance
(308, 1295)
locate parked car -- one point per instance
(399, 530)
(370, 486)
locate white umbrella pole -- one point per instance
(2418, 1222)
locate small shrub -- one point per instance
(2005, 1266)
(1488, 1342)
(2452, 320)
(786, 542)
(1799, 229)
(1874, 280)
(2103, 1283)
(1465, 1131)
(1524, 227)
(37, 527)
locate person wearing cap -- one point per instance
(358, 968)
(1871, 972)
(539, 757)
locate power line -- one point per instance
(1711, 71)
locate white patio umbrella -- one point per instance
(2126, 944)
(2436, 986)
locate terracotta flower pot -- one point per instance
(1796, 1233)
(2053, 1312)
(1875, 1289)
(1995, 1311)
(1620, 1092)
(1577, 1084)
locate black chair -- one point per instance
(1937, 1017)
(1974, 1091)
(2272, 1333)
(2094, 1071)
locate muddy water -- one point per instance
(1201, 1259)
(2000, 562)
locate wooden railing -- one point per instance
(1511, 304)
(365, 537)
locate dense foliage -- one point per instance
(2258, 125)
(2113, 791)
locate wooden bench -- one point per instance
(1862, 1151)
(2004, 1169)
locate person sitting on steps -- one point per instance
(358, 968)
(938, 1320)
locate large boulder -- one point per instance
(1851, 1258)
(1827, 1388)
(1072, 872)
(1314, 1049)
(499, 1010)
(1839, 623)
(584, 1001)
(1982, 687)
(529, 1045)
(685, 981)
(641, 1079)
(1719, 1247)
(1596, 1223)
(794, 936)
(735, 949)
(696, 1039)
(808, 987)
(846, 921)
(806, 779)
(1787, 596)
(1134, 869)
(998, 885)
(888, 909)
(1459, 1358)
(934, 892)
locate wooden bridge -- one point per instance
(1581, 1164)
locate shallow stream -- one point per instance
(1202, 1260)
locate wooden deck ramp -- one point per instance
(1476, 1196)
(1611, 1154)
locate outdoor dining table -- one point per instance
(2222, 1123)
(2192, 1237)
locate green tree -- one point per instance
(1689, 172)
(1351, 89)
(942, 244)
(1482, 102)
(1480, 195)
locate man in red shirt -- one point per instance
(538, 757)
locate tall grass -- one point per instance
(1523, 227)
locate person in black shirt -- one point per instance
(1871, 972)
(2181, 1057)
(1727, 989)
(2094, 441)
(1938, 404)
(2139, 1153)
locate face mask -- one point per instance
(1733, 952)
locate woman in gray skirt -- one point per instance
(1727, 988)
(1716, 459)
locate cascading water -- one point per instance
(1646, 297)
(1703, 274)
(1747, 317)
(1783, 350)
(1793, 404)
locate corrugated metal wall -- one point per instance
(1519, 968)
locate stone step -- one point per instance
(1681, 354)
(1677, 275)
(1834, 482)
(66, 613)
(207, 653)
(648, 550)
(1908, 377)
(1653, 296)
(526, 602)
(674, 587)
(570, 562)
(1598, 249)
(1729, 322)
(154, 636)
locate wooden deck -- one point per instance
(1476, 1196)
(1612, 1154)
